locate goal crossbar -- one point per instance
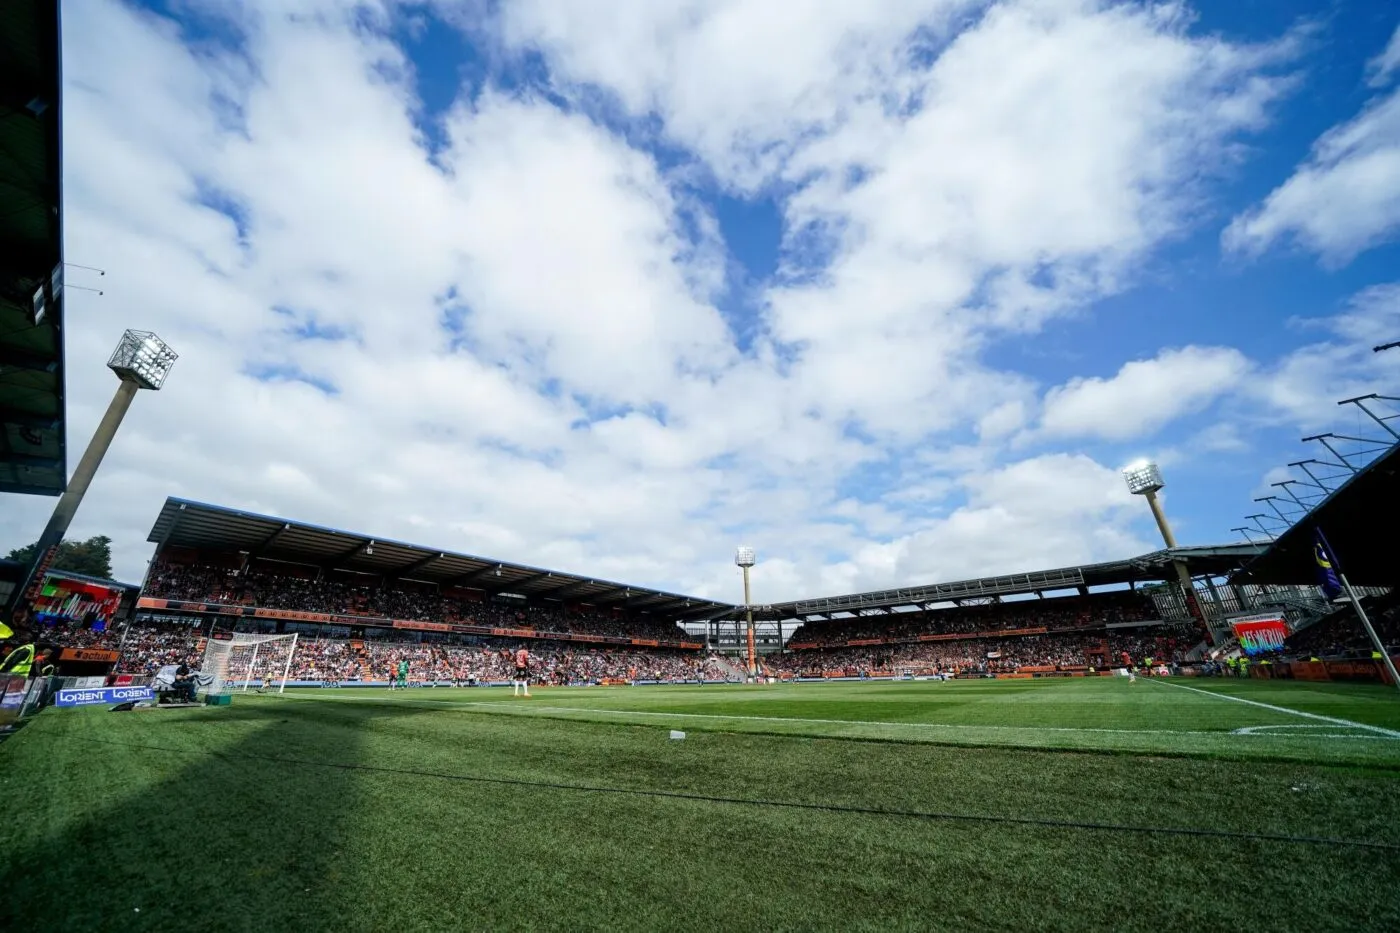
(244, 659)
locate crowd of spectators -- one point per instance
(334, 594)
(1063, 652)
(549, 663)
(149, 644)
(1341, 635)
(1056, 614)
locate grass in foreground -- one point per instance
(262, 816)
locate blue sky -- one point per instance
(888, 291)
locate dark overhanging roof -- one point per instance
(184, 523)
(33, 450)
(1361, 519)
(1200, 560)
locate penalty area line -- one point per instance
(1388, 733)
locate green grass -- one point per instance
(467, 809)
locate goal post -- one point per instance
(235, 662)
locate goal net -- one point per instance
(241, 661)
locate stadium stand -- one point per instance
(1341, 637)
(370, 600)
(148, 645)
(1036, 637)
(33, 451)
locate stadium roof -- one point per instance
(1360, 519)
(1210, 560)
(183, 523)
(33, 455)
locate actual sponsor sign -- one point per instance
(99, 655)
(102, 695)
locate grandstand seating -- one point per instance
(1340, 634)
(1075, 613)
(1029, 636)
(149, 645)
(286, 587)
(1035, 654)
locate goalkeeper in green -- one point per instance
(403, 674)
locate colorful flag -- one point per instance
(1327, 568)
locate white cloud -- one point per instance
(1380, 69)
(522, 334)
(1144, 395)
(1345, 198)
(1303, 387)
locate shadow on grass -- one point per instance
(177, 820)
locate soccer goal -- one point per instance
(241, 660)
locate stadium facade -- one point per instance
(33, 445)
(187, 530)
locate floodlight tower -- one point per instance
(744, 557)
(1144, 478)
(141, 361)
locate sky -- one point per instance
(889, 291)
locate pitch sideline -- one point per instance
(501, 707)
(1389, 733)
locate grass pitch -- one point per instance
(985, 804)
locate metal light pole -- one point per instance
(1144, 479)
(141, 361)
(744, 557)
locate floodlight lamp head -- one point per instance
(143, 358)
(1143, 477)
(744, 556)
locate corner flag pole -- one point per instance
(1366, 624)
(1334, 583)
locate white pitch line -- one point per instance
(1389, 733)
(502, 707)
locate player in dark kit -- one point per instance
(522, 672)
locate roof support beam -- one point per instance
(705, 612)
(613, 598)
(418, 565)
(364, 547)
(475, 575)
(571, 586)
(269, 541)
(515, 585)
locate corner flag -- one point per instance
(1327, 568)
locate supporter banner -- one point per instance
(1260, 634)
(98, 655)
(422, 626)
(104, 695)
(146, 602)
(289, 615)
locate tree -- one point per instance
(92, 557)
